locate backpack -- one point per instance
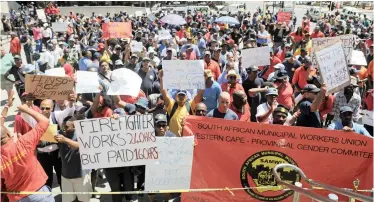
(175, 107)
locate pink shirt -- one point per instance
(285, 95)
(37, 33)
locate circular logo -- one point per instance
(257, 171)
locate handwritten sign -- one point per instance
(284, 17)
(50, 133)
(109, 143)
(173, 168)
(367, 118)
(358, 58)
(41, 15)
(256, 56)
(117, 30)
(164, 35)
(346, 40)
(333, 67)
(136, 47)
(49, 87)
(59, 27)
(87, 82)
(125, 82)
(55, 72)
(183, 74)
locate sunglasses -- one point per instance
(232, 77)
(199, 111)
(45, 108)
(161, 125)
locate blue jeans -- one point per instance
(39, 197)
(38, 46)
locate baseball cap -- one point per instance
(253, 68)
(287, 45)
(288, 55)
(142, 102)
(100, 47)
(311, 88)
(160, 118)
(134, 56)
(146, 59)
(120, 111)
(345, 109)
(281, 109)
(207, 53)
(17, 57)
(280, 74)
(181, 92)
(272, 91)
(279, 66)
(118, 62)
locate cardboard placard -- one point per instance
(284, 17)
(49, 87)
(50, 134)
(358, 58)
(333, 67)
(117, 30)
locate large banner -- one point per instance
(237, 154)
(109, 143)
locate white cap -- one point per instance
(279, 66)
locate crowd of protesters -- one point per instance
(288, 92)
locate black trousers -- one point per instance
(49, 161)
(120, 179)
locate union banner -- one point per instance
(237, 154)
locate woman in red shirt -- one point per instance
(101, 106)
(297, 37)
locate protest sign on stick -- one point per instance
(333, 67)
(284, 17)
(164, 35)
(59, 27)
(183, 74)
(358, 58)
(173, 168)
(41, 15)
(136, 47)
(49, 87)
(109, 143)
(346, 40)
(256, 56)
(87, 82)
(125, 82)
(117, 30)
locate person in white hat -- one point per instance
(155, 61)
(46, 33)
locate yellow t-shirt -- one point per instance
(105, 57)
(180, 113)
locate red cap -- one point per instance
(100, 47)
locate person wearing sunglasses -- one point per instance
(233, 83)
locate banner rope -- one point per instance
(230, 190)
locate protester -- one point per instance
(240, 106)
(15, 44)
(347, 124)
(223, 111)
(26, 173)
(347, 98)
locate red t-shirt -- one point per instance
(20, 168)
(271, 69)
(20, 125)
(242, 117)
(106, 112)
(317, 35)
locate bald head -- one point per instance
(224, 95)
(46, 107)
(224, 102)
(239, 94)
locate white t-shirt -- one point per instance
(263, 109)
(47, 33)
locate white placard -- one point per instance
(367, 118)
(333, 67)
(59, 27)
(358, 58)
(87, 82)
(256, 56)
(41, 15)
(110, 143)
(319, 43)
(124, 82)
(183, 74)
(164, 35)
(55, 72)
(138, 13)
(136, 47)
(173, 169)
